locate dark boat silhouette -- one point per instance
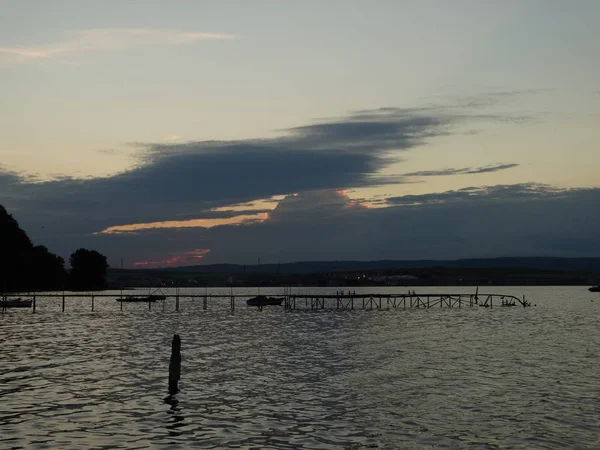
(17, 303)
(595, 288)
(143, 299)
(263, 300)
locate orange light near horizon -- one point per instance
(179, 259)
(194, 223)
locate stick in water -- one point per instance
(175, 365)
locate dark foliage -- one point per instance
(88, 270)
(23, 266)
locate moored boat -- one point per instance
(595, 288)
(263, 300)
(144, 299)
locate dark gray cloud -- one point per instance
(515, 192)
(186, 181)
(462, 171)
(518, 220)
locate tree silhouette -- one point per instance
(24, 267)
(88, 270)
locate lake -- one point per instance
(421, 378)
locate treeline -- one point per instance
(28, 267)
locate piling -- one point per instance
(175, 365)
(92, 302)
(63, 302)
(33, 305)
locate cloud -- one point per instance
(181, 181)
(462, 171)
(517, 220)
(104, 40)
(198, 181)
(177, 259)
(515, 192)
(236, 217)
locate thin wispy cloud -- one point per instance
(103, 40)
(461, 171)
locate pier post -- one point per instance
(205, 302)
(177, 301)
(92, 302)
(33, 303)
(175, 365)
(149, 306)
(63, 302)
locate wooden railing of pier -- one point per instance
(292, 302)
(401, 301)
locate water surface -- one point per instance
(437, 378)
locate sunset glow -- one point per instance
(196, 223)
(179, 259)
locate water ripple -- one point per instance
(479, 378)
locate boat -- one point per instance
(16, 303)
(263, 300)
(595, 288)
(144, 299)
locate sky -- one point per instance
(201, 132)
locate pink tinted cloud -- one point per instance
(178, 259)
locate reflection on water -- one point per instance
(483, 378)
(176, 420)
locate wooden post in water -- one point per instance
(92, 302)
(63, 302)
(175, 365)
(33, 303)
(177, 301)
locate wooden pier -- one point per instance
(401, 301)
(292, 302)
